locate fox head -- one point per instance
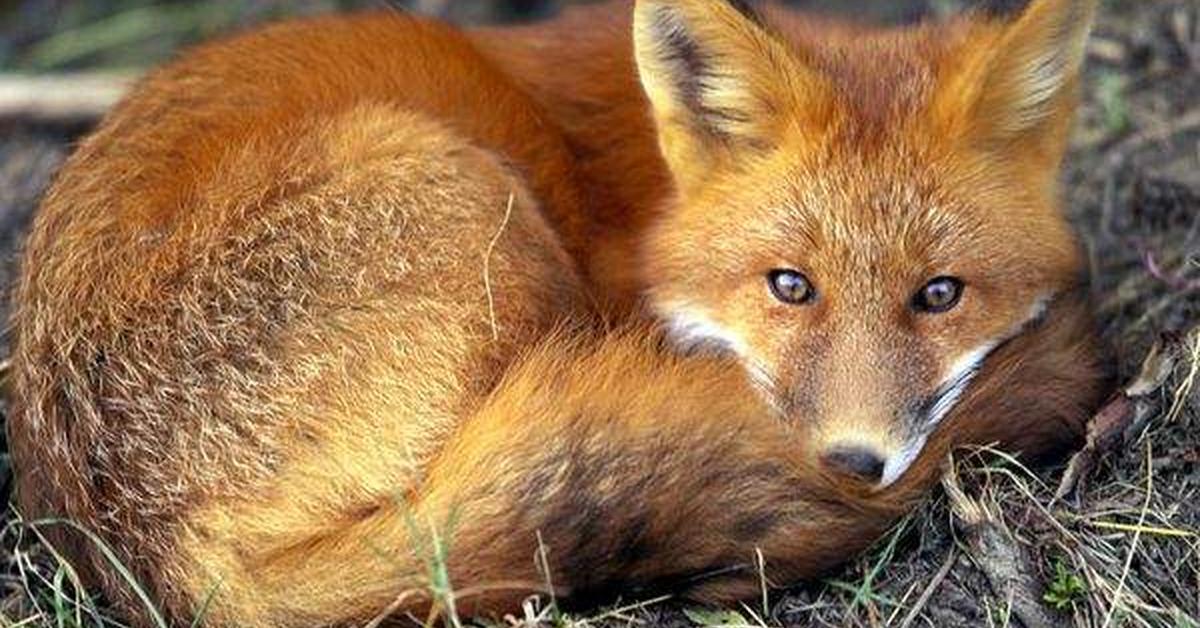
(862, 217)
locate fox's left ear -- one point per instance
(720, 82)
(1022, 87)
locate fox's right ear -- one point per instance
(1021, 88)
(719, 82)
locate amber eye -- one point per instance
(791, 286)
(939, 295)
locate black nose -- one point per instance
(858, 462)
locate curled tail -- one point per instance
(595, 469)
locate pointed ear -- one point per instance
(718, 81)
(1023, 86)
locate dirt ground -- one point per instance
(993, 546)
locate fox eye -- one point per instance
(941, 294)
(791, 286)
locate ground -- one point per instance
(993, 545)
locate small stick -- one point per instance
(487, 273)
(1137, 536)
(934, 583)
(1175, 281)
(998, 556)
(391, 609)
(61, 98)
(1121, 418)
(761, 563)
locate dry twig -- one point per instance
(62, 98)
(934, 583)
(998, 555)
(1122, 418)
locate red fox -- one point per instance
(327, 304)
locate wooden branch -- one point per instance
(60, 98)
(1003, 560)
(934, 583)
(1124, 416)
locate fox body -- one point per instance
(327, 301)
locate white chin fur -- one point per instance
(964, 369)
(955, 382)
(899, 463)
(961, 373)
(952, 386)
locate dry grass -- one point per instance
(1122, 551)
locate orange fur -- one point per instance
(315, 292)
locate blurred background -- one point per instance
(91, 48)
(45, 35)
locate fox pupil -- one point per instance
(791, 286)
